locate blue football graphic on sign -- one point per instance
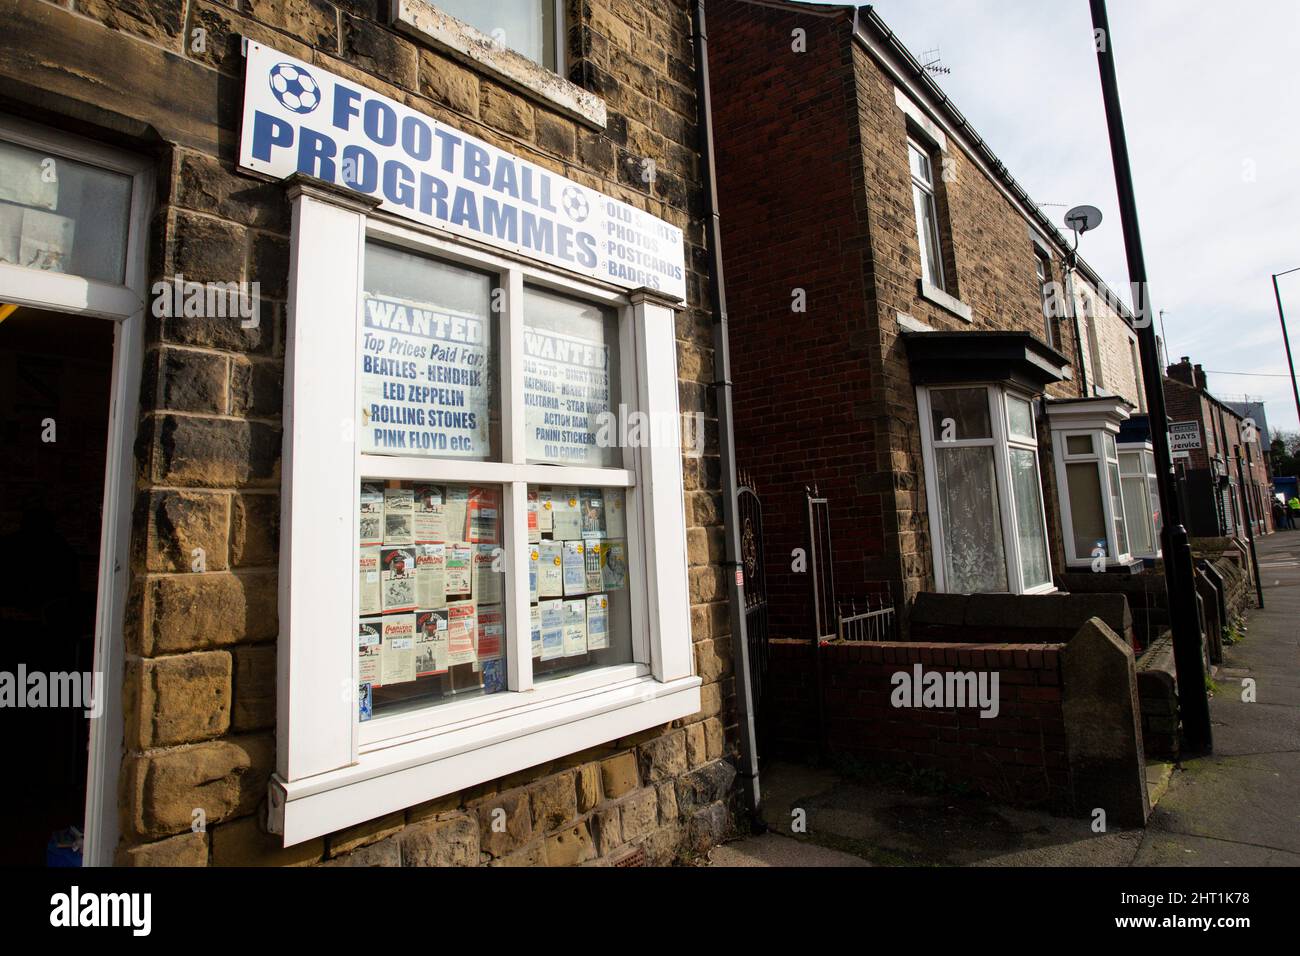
(294, 88)
(575, 203)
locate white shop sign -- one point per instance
(1183, 436)
(300, 118)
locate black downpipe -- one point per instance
(726, 434)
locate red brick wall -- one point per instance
(793, 217)
(813, 146)
(1019, 756)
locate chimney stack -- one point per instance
(1183, 372)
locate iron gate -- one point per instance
(751, 559)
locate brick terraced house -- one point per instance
(922, 346)
(1214, 435)
(329, 301)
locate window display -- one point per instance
(431, 624)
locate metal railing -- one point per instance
(872, 624)
(822, 567)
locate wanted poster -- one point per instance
(397, 657)
(430, 523)
(591, 552)
(597, 622)
(615, 516)
(431, 632)
(368, 582)
(488, 573)
(566, 520)
(535, 629)
(613, 565)
(399, 517)
(575, 627)
(372, 515)
(491, 630)
(462, 633)
(550, 570)
(552, 613)
(397, 579)
(575, 569)
(458, 571)
(430, 575)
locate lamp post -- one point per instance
(1286, 341)
(1189, 661)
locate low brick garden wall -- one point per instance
(1019, 756)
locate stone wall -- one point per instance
(201, 636)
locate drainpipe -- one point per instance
(1074, 321)
(726, 434)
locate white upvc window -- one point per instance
(984, 493)
(1137, 476)
(927, 214)
(1087, 466)
(457, 696)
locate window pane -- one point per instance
(571, 382)
(960, 413)
(1137, 507)
(919, 163)
(581, 612)
(1078, 444)
(432, 590)
(1109, 439)
(1130, 463)
(525, 26)
(974, 557)
(927, 232)
(429, 362)
(1086, 513)
(1029, 517)
(59, 215)
(1117, 508)
(1020, 418)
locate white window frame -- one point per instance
(1100, 459)
(1145, 452)
(1043, 274)
(1001, 442)
(333, 770)
(933, 263)
(124, 305)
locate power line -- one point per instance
(1257, 374)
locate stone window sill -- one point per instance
(933, 293)
(423, 22)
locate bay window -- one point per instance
(985, 498)
(479, 571)
(1097, 530)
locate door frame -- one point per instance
(123, 304)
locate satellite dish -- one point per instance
(1081, 219)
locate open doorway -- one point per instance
(55, 388)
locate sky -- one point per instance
(1210, 97)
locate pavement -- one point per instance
(1239, 806)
